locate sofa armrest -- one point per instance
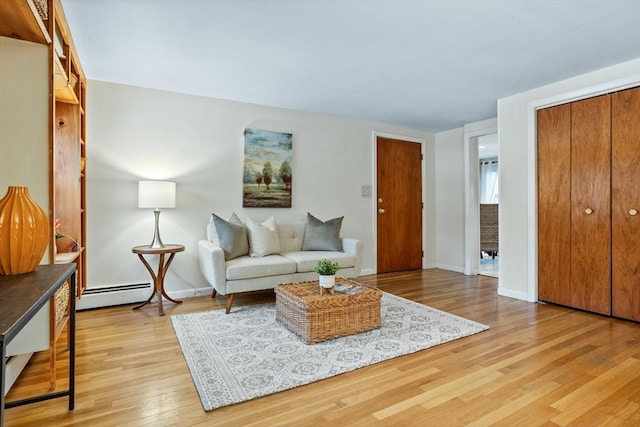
(354, 247)
(212, 265)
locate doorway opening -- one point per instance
(489, 199)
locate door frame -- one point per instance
(532, 164)
(472, 194)
(374, 179)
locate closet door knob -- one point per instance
(588, 211)
(633, 212)
(381, 211)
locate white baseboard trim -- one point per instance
(110, 298)
(107, 297)
(14, 367)
(371, 271)
(455, 268)
(191, 293)
(367, 271)
(513, 294)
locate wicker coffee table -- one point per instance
(314, 317)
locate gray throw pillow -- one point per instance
(231, 236)
(322, 236)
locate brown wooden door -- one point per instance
(554, 204)
(591, 204)
(399, 205)
(625, 203)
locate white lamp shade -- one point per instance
(156, 194)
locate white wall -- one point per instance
(450, 213)
(136, 133)
(453, 185)
(516, 127)
(24, 161)
(24, 114)
(517, 177)
(430, 191)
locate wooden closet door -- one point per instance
(625, 188)
(591, 204)
(554, 204)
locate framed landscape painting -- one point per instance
(268, 170)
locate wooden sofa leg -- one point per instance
(229, 302)
(214, 293)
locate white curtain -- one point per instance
(489, 181)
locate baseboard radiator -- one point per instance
(106, 296)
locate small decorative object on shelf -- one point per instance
(59, 235)
(326, 274)
(24, 232)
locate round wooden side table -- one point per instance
(163, 267)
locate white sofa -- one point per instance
(292, 264)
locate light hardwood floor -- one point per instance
(537, 365)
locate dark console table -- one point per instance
(21, 297)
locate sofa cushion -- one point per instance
(291, 236)
(230, 236)
(306, 260)
(247, 268)
(322, 236)
(263, 238)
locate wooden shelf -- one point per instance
(64, 85)
(67, 257)
(20, 20)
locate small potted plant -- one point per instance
(58, 235)
(327, 273)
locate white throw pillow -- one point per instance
(263, 238)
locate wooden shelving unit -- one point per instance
(43, 22)
(21, 20)
(63, 84)
(68, 144)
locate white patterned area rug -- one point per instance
(247, 354)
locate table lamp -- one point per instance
(156, 195)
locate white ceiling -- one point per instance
(432, 65)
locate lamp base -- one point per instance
(156, 243)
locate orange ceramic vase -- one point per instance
(24, 232)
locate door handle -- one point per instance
(588, 211)
(633, 212)
(381, 211)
